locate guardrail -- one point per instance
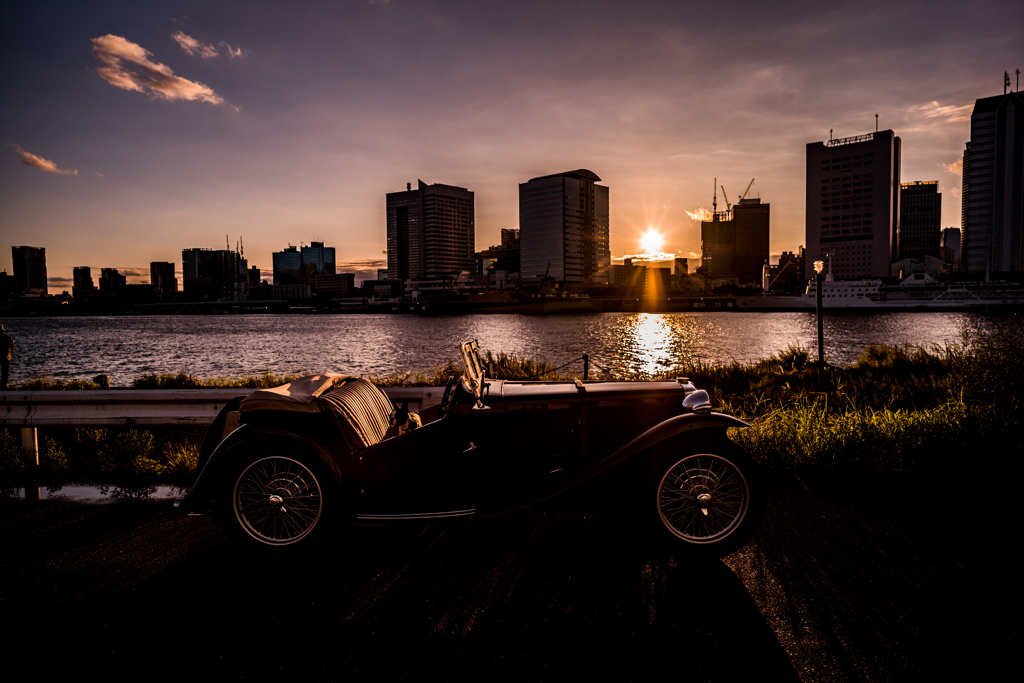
(28, 410)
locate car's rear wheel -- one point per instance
(278, 500)
(709, 498)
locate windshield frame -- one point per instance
(472, 367)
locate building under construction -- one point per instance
(734, 243)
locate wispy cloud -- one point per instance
(191, 46)
(36, 161)
(127, 66)
(233, 52)
(956, 168)
(947, 112)
(700, 214)
(955, 192)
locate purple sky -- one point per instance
(133, 130)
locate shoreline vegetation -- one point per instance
(955, 408)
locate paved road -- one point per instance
(900, 578)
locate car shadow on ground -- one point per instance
(533, 596)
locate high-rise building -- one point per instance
(82, 284)
(718, 245)
(111, 281)
(316, 260)
(431, 231)
(752, 220)
(993, 190)
(563, 228)
(162, 277)
(209, 273)
(29, 270)
(853, 204)
(920, 219)
(287, 266)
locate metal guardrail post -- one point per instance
(30, 442)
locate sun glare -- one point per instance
(651, 242)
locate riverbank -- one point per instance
(953, 407)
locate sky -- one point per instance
(133, 130)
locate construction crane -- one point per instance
(744, 195)
(728, 206)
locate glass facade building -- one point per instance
(993, 187)
(563, 228)
(920, 219)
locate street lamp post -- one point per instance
(818, 266)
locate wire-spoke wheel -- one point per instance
(277, 501)
(712, 499)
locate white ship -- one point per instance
(919, 292)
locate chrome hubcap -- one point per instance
(702, 498)
(277, 500)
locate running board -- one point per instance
(419, 515)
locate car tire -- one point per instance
(283, 500)
(705, 499)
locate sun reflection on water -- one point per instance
(651, 343)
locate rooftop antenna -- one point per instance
(714, 201)
(241, 244)
(1018, 80)
(1006, 81)
(876, 123)
(227, 243)
(830, 135)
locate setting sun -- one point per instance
(651, 242)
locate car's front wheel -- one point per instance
(277, 500)
(709, 498)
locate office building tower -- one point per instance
(29, 270)
(752, 221)
(162, 277)
(111, 281)
(287, 266)
(209, 273)
(563, 228)
(951, 241)
(82, 284)
(993, 187)
(431, 231)
(316, 260)
(920, 219)
(717, 245)
(853, 205)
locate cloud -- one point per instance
(956, 168)
(948, 112)
(191, 46)
(955, 192)
(700, 214)
(58, 282)
(127, 66)
(36, 161)
(233, 52)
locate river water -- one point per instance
(233, 345)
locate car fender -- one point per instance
(670, 428)
(207, 478)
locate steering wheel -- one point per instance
(448, 397)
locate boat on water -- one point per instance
(918, 292)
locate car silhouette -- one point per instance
(285, 466)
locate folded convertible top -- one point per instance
(298, 396)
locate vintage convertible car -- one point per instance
(283, 466)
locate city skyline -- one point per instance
(129, 136)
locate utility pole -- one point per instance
(876, 123)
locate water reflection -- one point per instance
(125, 347)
